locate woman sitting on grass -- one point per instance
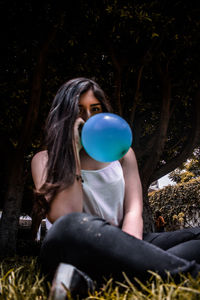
(95, 208)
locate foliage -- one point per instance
(20, 279)
(188, 170)
(112, 42)
(179, 204)
(145, 55)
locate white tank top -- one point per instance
(103, 193)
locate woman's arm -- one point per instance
(133, 221)
(70, 199)
(66, 201)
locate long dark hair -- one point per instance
(59, 131)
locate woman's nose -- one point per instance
(87, 115)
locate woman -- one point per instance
(95, 207)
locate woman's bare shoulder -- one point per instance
(40, 157)
(128, 157)
(38, 166)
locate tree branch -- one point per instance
(192, 143)
(37, 87)
(137, 94)
(118, 71)
(157, 149)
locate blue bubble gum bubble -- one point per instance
(106, 137)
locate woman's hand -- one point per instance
(77, 142)
(77, 133)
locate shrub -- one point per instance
(179, 204)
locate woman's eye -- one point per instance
(96, 109)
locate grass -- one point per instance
(155, 289)
(21, 279)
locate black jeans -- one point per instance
(102, 250)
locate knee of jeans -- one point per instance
(78, 218)
(71, 227)
(74, 222)
(74, 218)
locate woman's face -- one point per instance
(89, 105)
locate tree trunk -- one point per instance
(157, 148)
(137, 95)
(11, 209)
(147, 212)
(15, 184)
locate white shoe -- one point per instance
(69, 281)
